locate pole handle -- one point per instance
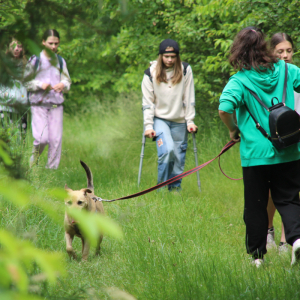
(193, 132)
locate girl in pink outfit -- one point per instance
(51, 79)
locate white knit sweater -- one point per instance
(167, 101)
(297, 102)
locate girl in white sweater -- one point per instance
(169, 109)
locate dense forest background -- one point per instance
(109, 43)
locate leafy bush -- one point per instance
(108, 44)
(23, 266)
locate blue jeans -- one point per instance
(171, 144)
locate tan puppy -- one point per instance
(83, 199)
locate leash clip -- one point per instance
(97, 199)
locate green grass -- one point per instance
(176, 246)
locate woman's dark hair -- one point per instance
(50, 32)
(280, 37)
(249, 50)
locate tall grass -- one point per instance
(177, 246)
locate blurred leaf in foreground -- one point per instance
(18, 257)
(92, 225)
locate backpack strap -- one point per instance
(264, 133)
(257, 98)
(185, 65)
(285, 83)
(148, 73)
(60, 60)
(37, 62)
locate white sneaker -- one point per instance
(258, 262)
(270, 239)
(296, 252)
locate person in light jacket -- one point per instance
(169, 110)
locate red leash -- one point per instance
(224, 173)
(225, 148)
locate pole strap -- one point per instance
(171, 180)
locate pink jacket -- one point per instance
(46, 73)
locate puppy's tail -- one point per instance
(89, 175)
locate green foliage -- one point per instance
(107, 44)
(10, 145)
(205, 31)
(24, 268)
(175, 246)
(18, 258)
(22, 264)
(4, 155)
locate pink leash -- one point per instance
(169, 181)
(219, 161)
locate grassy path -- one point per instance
(176, 246)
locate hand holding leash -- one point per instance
(234, 135)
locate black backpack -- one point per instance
(284, 122)
(185, 65)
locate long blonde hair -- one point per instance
(160, 68)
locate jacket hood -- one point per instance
(265, 80)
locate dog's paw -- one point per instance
(72, 254)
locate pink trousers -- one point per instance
(47, 128)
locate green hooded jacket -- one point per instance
(255, 149)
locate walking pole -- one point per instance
(196, 160)
(141, 157)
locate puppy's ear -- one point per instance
(87, 191)
(67, 188)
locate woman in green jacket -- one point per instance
(264, 167)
